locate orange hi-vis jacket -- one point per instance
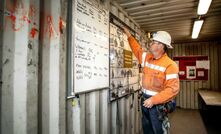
(159, 75)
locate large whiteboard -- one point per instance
(91, 46)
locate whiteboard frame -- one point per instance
(69, 64)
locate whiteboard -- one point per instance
(90, 46)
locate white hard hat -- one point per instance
(163, 37)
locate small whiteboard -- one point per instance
(90, 46)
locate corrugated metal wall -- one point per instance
(33, 66)
(33, 78)
(92, 113)
(19, 68)
(188, 96)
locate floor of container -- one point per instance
(185, 121)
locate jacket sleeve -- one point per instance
(171, 86)
(136, 48)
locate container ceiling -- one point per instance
(176, 17)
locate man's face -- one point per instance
(156, 48)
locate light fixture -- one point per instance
(196, 28)
(203, 6)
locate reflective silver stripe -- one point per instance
(149, 92)
(155, 67)
(143, 58)
(171, 76)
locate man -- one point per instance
(160, 82)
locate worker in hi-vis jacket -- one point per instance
(160, 82)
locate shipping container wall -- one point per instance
(33, 64)
(188, 96)
(93, 113)
(33, 42)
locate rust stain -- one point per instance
(32, 11)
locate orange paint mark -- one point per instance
(33, 32)
(50, 27)
(12, 8)
(13, 18)
(60, 25)
(16, 8)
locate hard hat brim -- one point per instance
(168, 46)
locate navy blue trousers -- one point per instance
(150, 122)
